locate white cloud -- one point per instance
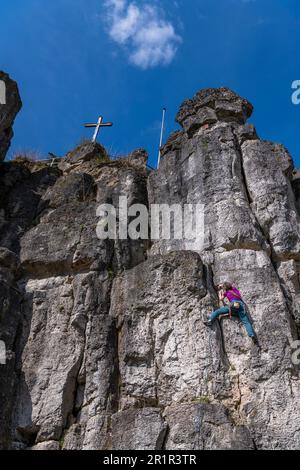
(149, 39)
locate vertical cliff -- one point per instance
(108, 346)
(10, 105)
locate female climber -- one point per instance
(236, 307)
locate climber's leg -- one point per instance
(216, 314)
(246, 322)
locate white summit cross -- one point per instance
(98, 126)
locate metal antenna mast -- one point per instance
(161, 135)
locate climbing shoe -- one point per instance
(208, 322)
(254, 339)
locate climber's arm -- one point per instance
(221, 297)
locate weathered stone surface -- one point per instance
(97, 382)
(10, 304)
(165, 352)
(76, 187)
(174, 142)
(127, 426)
(201, 426)
(138, 158)
(211, 105)
(8, 112)
(62, 389)
(251, 239)
(85, 152)
(268, 368)
(288, 272)
(268, 168)
(53, 342)
(107, 341)
(66, 238)
(296, 188)
(20, 195)
(208, 170)
(65, 241)
(64, 363)
(50, 445)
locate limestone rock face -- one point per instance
(133, 420)
(9, 108)
(205, 427)
(10, 299)
(296, 188)
(106, 345)
(210, 106)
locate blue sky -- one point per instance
(76, 59)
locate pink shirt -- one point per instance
(233, 294)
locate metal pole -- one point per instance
(161, 135)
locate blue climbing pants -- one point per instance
(241, 313)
